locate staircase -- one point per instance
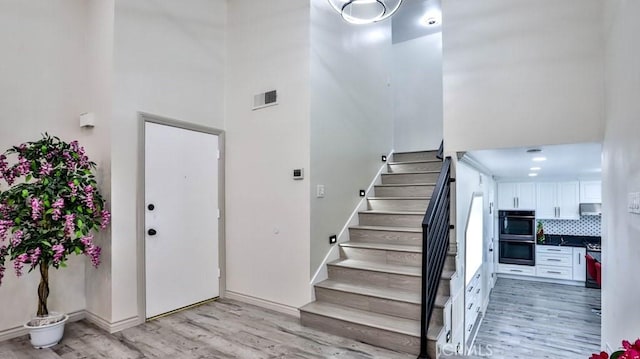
(373, 290)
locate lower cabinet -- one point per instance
(473, 303)
(562, 263)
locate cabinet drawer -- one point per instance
(553, 250)
(554, 272)
(560, 260)
(516, 269)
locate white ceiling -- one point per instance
(575, 161)
(407, 22)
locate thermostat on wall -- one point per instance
(265, 99)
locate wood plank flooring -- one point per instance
(535, 320)
(223, 329)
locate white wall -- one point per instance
(417, 93)
(44, 88)
(169, 61)
(621, 175)
(267, 211)
(99, 37)
(351, 117)
(530, 70)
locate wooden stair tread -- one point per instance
(399, 198)
(379, 292)
(410, 173)
(411, 152)
(385, 268)
(379, 211)
(390, 229)
(413, 162)
(383, 246)
(404, 184)
(380, 321)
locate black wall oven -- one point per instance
(517, 237)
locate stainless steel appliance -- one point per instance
(517, 237)
(594, 250)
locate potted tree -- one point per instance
(50, 207)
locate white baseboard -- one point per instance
(112, 327)
(20, 331)
(282, 308)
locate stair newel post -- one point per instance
(43, 289)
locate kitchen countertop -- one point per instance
(568, 241)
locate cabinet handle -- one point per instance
(554, 260)
(515, 270)
(518, 201)
(470, 289)
(478, 310)
(478, 291)
(470, 327)
(478, 275)
(470, 306)
(514, 203)
(553, 272)
(579, 258)
(559, 213)
(554, 250)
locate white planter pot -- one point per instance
(46, 336)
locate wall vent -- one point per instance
(265, 99)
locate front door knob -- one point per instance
(152, 232)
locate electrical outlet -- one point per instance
(634, 202)
(320, 191)
(363, 193)
(333, 239)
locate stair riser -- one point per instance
(378, 337)
(391, 220)
(450, 263)
(382, 256)
(381, 279)
(398, 204)
(413, 167)
(415, 156)
(444, 288)
(404, 191)
(371, 304)
(408, 178)
(389, 237)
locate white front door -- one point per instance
(181, 218)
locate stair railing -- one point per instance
(435, 245)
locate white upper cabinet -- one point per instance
(591, 192)
(558, 200)
(517, 195)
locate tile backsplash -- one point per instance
(585, 226)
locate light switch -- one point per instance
(320, 191)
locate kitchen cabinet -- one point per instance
(558, 200)
(591, 192)
(516, 195)
(579, 267)
(473, 303)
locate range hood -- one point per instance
(590, 209)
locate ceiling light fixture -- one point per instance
(362, 12)
(535, 169)
(432, 19)
(533, 174)
(539, 159)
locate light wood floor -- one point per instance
(223, 329)
(536, 320)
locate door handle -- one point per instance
(152, 232)
(514, 203)
(518, 202)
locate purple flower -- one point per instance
(19, 262)
(46, 169)
(36, 208)
(74, 189)
(106, 218)
(2, 269)
(17, 238)
(91, 250)
(69, 225)
(23, 166)
(58, 251)
(10, 176)
(88, 192)
(4, 227)
(3, 164)
(57, 207)
(35, 256)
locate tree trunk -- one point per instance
(43, 289)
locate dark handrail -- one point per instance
(435, 245)
(440, 151)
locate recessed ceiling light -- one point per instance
(535, 168)
(534, 150)
(432, 18)
(539, 159)
(533, 174)
(431, 21)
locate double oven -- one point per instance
(517, 237)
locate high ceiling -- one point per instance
(408, 22)
(574, 161)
